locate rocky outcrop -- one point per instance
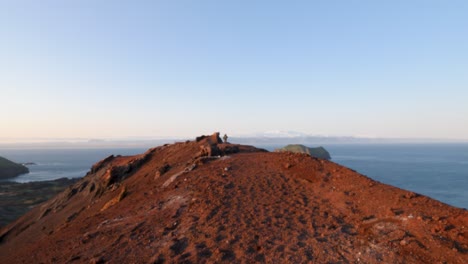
(318, 152)
(9, 169)
(237, 204)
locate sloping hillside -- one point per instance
(9, 169)
(207, 202)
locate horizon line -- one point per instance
(143, 139)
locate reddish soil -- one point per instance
(204, 201)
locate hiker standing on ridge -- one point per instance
(225, 137)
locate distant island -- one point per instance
(10, 169)
(319, 152)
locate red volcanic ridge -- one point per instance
(205, 201)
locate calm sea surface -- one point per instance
(436, 170)
(53, 164)
(439, 171)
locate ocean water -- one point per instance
(53, 164)
(439, 171)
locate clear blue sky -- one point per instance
(113, 69)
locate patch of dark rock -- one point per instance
(139, 225)
(235, 240)
(459, 247)
(164, 168)
(229, 185)
(212, 213)
(348, 229)
(302, 219)
(200, 245)
(250, 250)
(421, 245)
(100, 164)
(368, 217)
(71, 193)
(408, 234)
(325, 214)
(74, 258)
(305, 200)
(280, 248)
(309, 254)
(160, 259)
(322, 239)
(179, 211)
(339, 219)
(220, 238)
(398, 211)
(97, 260)
(179, 246)
(451, 243)
(226, 149)
(303, 236)
(204, 253)
(260, 258)
(278, 215)
(83, 186)
(227, 255)
(172, 227)
(225, 214)
(71, 217)
(449, 227)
